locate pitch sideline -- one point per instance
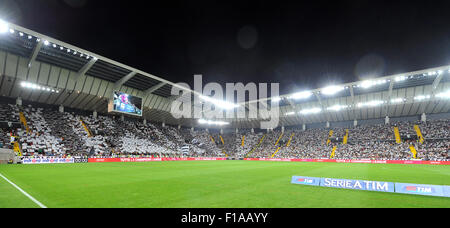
(25, 193)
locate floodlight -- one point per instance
(367, 84)
(276, 99)
(331, 90)
(210, 122)
(444, 95)
(397, 100)
(371, 103)
(400, 78)
(422, 97)
(301, 95)
(4, 27)
(219, 104)
(311, 111)
(337, 107)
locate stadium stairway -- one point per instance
(223, 146)
(333, 152)
(290, 140)
(86, 128)
(23, 120)
(278, 141)
(280, 147)
(17, 149)
(273, 155)
(345, 141)
(419, 134)
(329, 137)
(398, 139)
(413, 151)
(257, 146)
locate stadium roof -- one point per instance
(84, 80)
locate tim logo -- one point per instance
(418, 189)
(305, 181)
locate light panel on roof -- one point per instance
(400, 78)
(301, 95)
(38, 87)
(311, 111)
(444, 95)
(210, 122)
(219, 104)
(371, 103)
(422, 97)
(397, 100)
(4, 27)
(276, 99)
(370, 83)
(332, 90)
(337, 108)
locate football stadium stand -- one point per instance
(54, 103)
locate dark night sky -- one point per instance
(302, 45)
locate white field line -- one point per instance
(23, 192)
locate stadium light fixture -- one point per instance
(400, 78)
(46, 43)
(21, 34)
(210, 122)
(337, 108)
(290, 114)
(371, 103)
(332, 90)
(444, 95)
(4, 27)
(219, 104)
(422, 97)
(432, 73)
(301, 95)
(276, 99)
(369, 83)
(397, 100)
(310, 111)
(38, 87)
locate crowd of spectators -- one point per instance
(60, 134)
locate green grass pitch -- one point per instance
(211, 184)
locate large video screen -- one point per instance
(125, 103)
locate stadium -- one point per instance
(80, 130)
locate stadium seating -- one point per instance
(108, 136)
